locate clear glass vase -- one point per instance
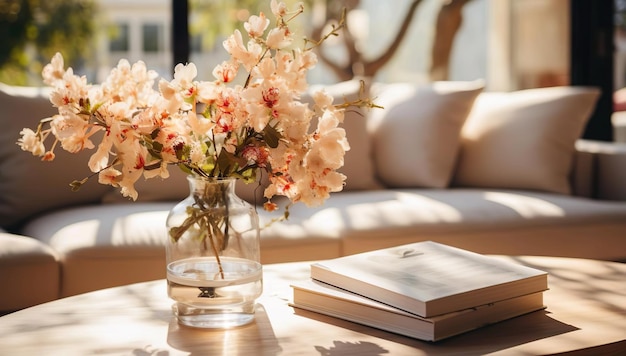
(214, 272)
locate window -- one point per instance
(196, 43)
(152, 38)
(119, 38)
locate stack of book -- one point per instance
(423, 290)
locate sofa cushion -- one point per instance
(102, 246)
(108, 245)
(30, 272)
(416, 136)
(27, 185)
(524, 139)
(481, 220)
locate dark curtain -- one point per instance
(180, 31)
(592, 48)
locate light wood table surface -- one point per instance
(586, 314)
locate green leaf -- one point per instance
(227, 163)
(271, 136)
(155, 154)
(224, 162)
(182, 152)
(150, 167)
(75, 185)
(248, 175)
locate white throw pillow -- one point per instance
(524, 139)
(416, 137)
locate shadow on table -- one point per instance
(492, 338)
(361, 348)
(256, 338)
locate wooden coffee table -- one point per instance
(586, 314)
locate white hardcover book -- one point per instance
(428, 278)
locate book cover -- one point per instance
(332, 301)
(429, 278)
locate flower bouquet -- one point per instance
(246, 122)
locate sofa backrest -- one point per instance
(436, 135)
(600, 170)
(27, 185)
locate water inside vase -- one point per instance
(208, 297)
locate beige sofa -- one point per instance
(501, 173)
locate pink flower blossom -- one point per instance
(278, 38)
(31, 142)
(226, 72)
(109, 176)
(72, 131)
(279, 9)
(256, 25)
(54, 71)
(248, 56)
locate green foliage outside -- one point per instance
(33, 30)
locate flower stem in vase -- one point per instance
(210, 227)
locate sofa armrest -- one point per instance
(600, 170)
